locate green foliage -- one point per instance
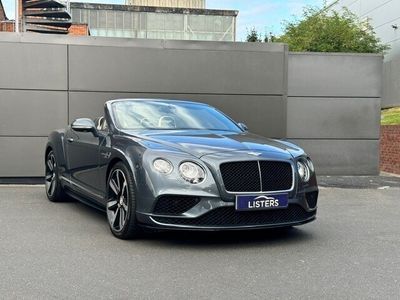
(326, 31)
(391, 116)
(253, 36)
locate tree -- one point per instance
(253, 36)
(326, 31)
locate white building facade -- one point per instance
(169, 3)
(384, 16)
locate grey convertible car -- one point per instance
(165, 164)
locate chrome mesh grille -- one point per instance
(257, 176)
(241, 176)
(276, 175)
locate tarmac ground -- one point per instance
(66, 251)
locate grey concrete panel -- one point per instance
(22, 156)
(224, 46)
(33, 66)
(391, 87)
(59, 39)
(346, 118)
(342, 157)
(127, 69)
(28, 37)
(335, 75)
(264, 115)
(247, 81)
(32, 113)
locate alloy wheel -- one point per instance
(117, 205)
(51, 178)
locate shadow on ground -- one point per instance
(204, 239)
(229, 239)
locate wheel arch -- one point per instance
(49, 147)
(119, 157)
(111, 164)
(56, 143)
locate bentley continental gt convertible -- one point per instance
(166, 164)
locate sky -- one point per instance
(264, 15)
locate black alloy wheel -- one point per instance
(121, 204)
(54, 190)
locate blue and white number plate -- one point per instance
(261, 202)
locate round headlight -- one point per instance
(304, 171)
(163, 166)
(192, 172)
(310, 165)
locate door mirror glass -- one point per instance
(84, 125)
(243, 126)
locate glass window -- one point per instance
(162, 115)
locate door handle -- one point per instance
(70, 140)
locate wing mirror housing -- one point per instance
(84, 125)
(243, 127)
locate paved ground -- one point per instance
(66, 251)
(385, 181)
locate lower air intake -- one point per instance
(175, 205)
(228, 216)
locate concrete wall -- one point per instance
(333, 110)
(48, 81)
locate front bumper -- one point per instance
(213, 214)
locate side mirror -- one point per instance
(84, 125)
(243, 127)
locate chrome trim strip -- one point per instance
(261, 192)
(259, 174)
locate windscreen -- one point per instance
(157, 115)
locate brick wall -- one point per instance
(78, 29)
(390, 149)
(7, 26)
(75, 29)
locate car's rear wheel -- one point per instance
(121, 203)
(54, 190)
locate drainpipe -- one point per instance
(16, 25)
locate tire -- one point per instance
(54, 190)
(121, 203)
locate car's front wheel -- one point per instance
(54, 190)
(121, 203)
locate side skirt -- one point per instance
(84, 200)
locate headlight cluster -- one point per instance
(189, 171)
(163, 166)
(305, 168)
(192, 172)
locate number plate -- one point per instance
(261, 202)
